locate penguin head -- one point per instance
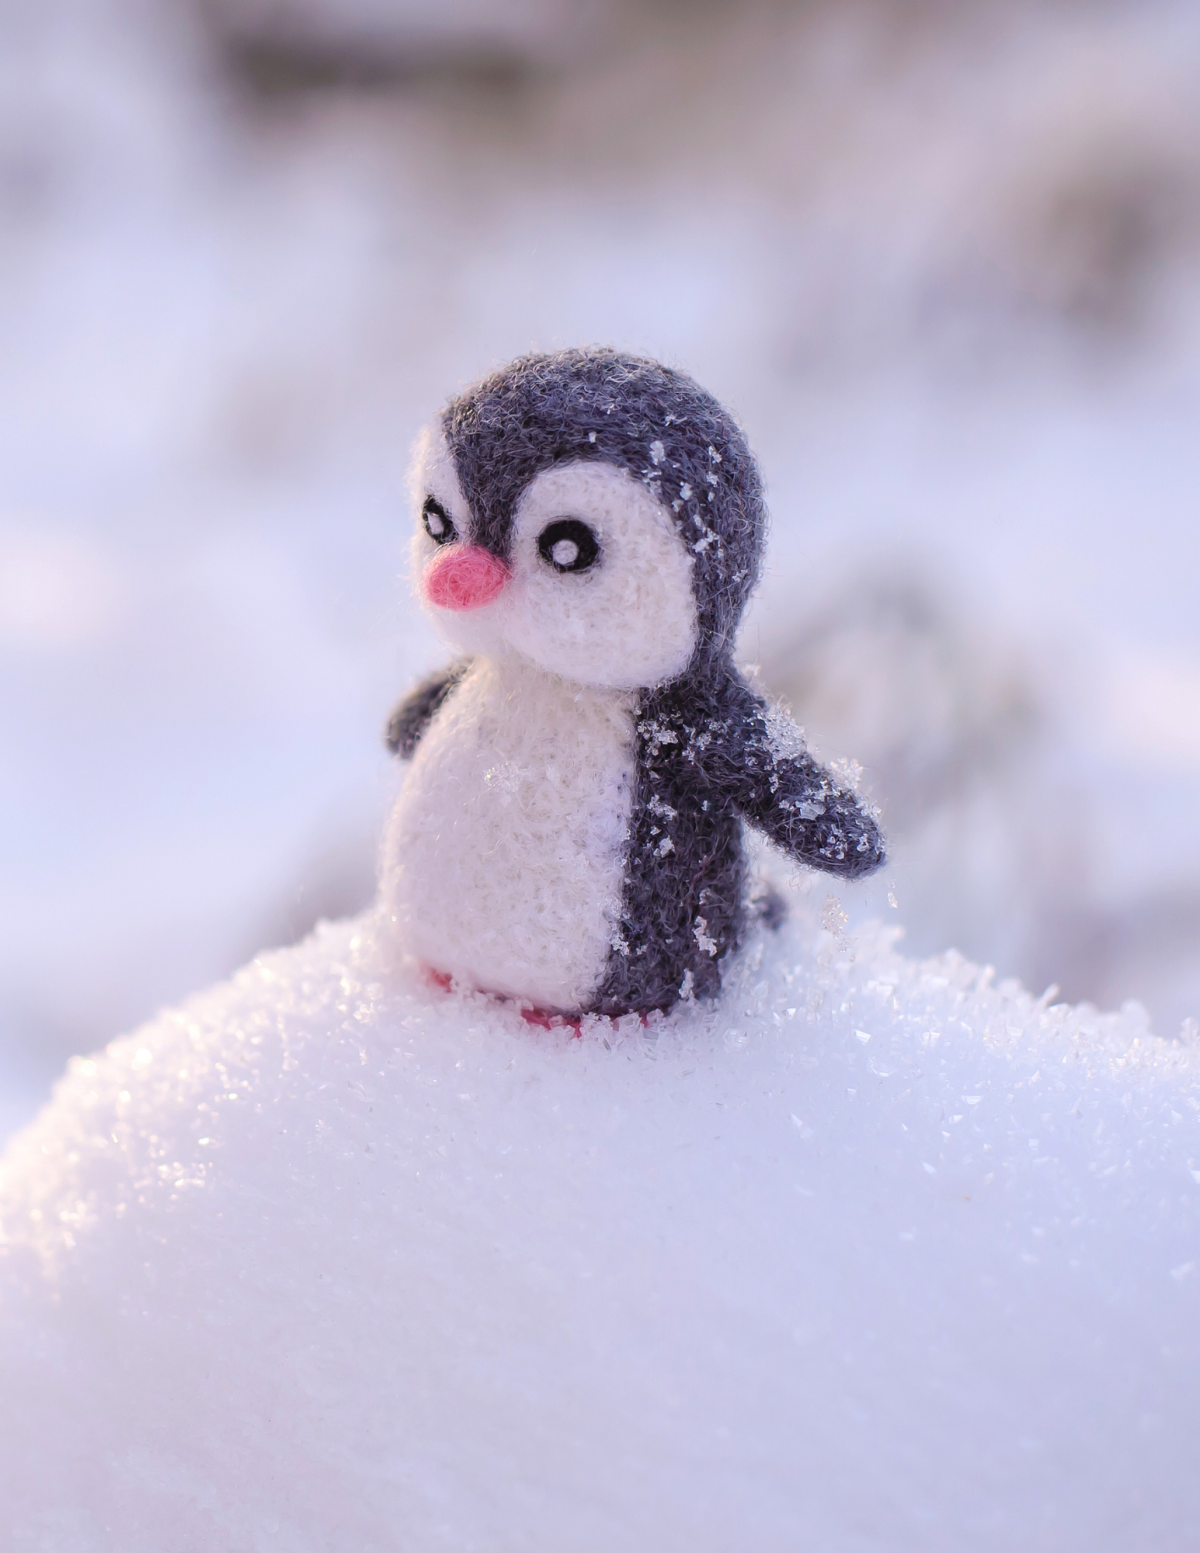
(597, 513)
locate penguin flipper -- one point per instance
(414, 714)
(761, 766)
(819, 822)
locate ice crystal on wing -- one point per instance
(784, 737)
(846, 773)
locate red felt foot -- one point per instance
(545, 1021)
(540, 1017)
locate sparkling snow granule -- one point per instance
(873, 1254)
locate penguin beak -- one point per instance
(464, 577)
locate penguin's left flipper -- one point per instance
(761, 767)
(815, 821)
(414, 714)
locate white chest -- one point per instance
(504, 854)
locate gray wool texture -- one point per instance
(710, 754)
(645, 418)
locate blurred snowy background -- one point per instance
(940, 257)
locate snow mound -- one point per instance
(874, 1254)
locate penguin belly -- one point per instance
(504, 856)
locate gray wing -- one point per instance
(756, 762)
(414, 714)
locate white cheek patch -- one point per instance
(432, 473)
(627, 620)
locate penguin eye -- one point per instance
(438, 524)
(568, 545)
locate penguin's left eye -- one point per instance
(568, 545)
(438, 523)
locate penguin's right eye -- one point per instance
(438, 523)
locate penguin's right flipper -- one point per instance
(414, 714)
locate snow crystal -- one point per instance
(332, 1258)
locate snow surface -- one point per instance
(874, 1254)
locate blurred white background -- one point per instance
(941, 258)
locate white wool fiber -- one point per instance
(504, 854)
(873, 1254)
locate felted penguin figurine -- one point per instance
(589, 527)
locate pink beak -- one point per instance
(464, 577)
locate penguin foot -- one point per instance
(546, 1021)
(542, 1018)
